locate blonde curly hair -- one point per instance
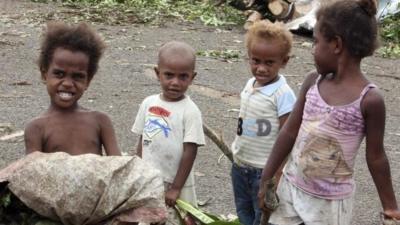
(265, 30)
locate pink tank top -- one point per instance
(322, 159)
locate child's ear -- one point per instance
(89, 80)
(338, 44)
(157, 72)
(43, 76)
(285, 60)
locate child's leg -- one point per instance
(297, 206)
(285, 214)
(245, 182)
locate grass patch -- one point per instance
(114, 12)
(153, 11)
(224, 54)
(390, 36)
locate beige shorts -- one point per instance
(297, 207)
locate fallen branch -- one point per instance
(387, 76)
(217, 139)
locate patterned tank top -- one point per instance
(322, 159)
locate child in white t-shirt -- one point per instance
(170, 124)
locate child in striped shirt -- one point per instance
(266, 102)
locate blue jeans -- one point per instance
(246, 181)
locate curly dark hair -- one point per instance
(354, 22)
(74, 38)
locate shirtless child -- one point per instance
(69, 57)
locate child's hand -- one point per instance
(392, 215)
(171, 196)
(261, 196)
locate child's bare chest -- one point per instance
(73, 136)
(335, 95)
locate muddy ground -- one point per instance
(125, 78)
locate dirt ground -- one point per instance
(125, 78)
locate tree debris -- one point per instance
(217, 139)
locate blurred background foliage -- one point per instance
(209, 12)
(157, 11)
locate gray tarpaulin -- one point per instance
(87, 189)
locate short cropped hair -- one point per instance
(74, 38)
(268, 31)
(354, 22)
(177, 49)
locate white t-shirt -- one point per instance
(260, 109)
(164, 127)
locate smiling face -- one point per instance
(266, 58)
(67, 78)
(175, 76)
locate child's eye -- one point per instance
(78, 76)
(254, 61)
(58, 73)
(269, 63)
(169, 75)
(184, 77)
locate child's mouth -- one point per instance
(174, 91)
(65, 95)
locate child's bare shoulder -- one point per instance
(373, 100)
(37, 123)
(100, 117)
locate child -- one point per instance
(337, 107)
(266, 102)
(170, 124)
(68, 60)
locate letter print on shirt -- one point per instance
(254, 127)
(155, 122)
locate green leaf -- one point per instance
(5, 200)
(197, 213)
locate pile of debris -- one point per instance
(298, 15)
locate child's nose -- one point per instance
(175, 81)
(262, 68)
(67, 82)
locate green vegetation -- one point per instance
(225, 54)
(157, 11)
(154, 11)
(390, 35)
(14, 212)
(202, 218)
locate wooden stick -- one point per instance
(277, 7)
(217, 139)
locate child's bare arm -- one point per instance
(286, 138)
(374, 113)
(107, 133)
(33, 137)
(282, 121)
(139, 147)
(185, 166)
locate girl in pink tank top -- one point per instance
(336, 108)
